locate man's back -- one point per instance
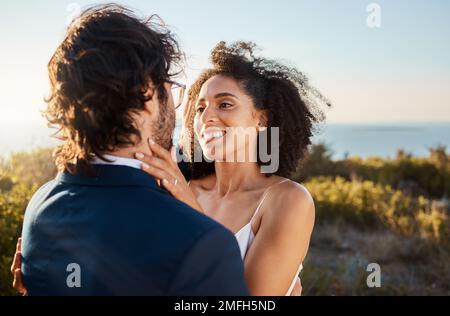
(120, 234)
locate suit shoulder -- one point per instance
(44, 191)
(180, 211)
(155, 209)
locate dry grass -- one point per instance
(339, 254)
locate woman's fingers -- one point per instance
(157, 163)
(17, 257)
(163, 167)
(16, 269)
(172, 187)
(158, 173)
(18, 283)
(161, 152)
(168, 181)
(168, 176)
(182, 192)
(151, 160)
(16, 262)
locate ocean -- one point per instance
(383, 139)
(374, 139)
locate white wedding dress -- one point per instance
(245, 236)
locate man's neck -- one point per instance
(129, 152)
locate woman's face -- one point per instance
(226, 121)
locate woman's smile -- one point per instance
(212, 134)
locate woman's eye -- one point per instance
(225, 105)
(200, 109)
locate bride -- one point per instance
(271, 216)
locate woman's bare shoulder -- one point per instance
(290, 197)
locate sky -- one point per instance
(397, 72)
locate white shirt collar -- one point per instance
(118, 161)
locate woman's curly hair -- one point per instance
(99, 76)
(284, 93)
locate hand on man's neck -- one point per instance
(130, 151)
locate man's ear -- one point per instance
(150, 105)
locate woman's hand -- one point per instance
(15, 270)
(161, 165)
(297, 290)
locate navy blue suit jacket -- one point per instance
(120, 234)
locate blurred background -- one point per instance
(379, 169)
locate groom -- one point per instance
(103, 226)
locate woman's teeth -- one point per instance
(208, 136)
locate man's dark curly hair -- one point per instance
(284, 93)
(99, 76)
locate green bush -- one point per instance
(365, 193)
(428, 176)
(370, 205)
(20, 176)
(32, 168)
(12, 207)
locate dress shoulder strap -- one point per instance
(266, 192)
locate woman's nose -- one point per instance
(208, 115)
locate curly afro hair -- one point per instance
(283, 92)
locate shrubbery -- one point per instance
(389, 211)
(428, 176)
(370, 205)
(406, 197)
(20, 176)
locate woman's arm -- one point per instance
(282, 240)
